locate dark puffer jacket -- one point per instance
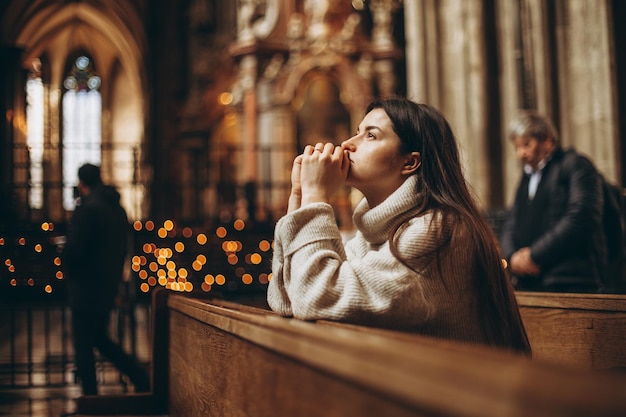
(562, 225)
(96, 250)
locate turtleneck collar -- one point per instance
(375, 223)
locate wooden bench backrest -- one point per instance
(582, 330)
(230, 360)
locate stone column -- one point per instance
(13, 128)
(414, 53)
(277, 150)
(587, 90)
(383, 46)
(248, 70)
(248, 152)
(510, 51)
(459, 54)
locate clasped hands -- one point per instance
(317, 174)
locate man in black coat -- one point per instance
(94, 258)
(553, 237)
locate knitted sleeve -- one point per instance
(314, 277)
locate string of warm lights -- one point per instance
(180, 259)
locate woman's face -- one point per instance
(376, 164)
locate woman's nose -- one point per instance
(348, 144)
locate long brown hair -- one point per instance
(422, 128)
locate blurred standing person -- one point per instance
(424, 258)
(94, 258)
(553, 236)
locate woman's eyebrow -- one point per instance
(372, 128)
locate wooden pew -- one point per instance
(227, 359)
(582, 330)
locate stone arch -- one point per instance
(355, 90)
(320, 113)
(59, 31)
(57, 22)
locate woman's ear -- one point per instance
(412, 162)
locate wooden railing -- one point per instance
(217, 358)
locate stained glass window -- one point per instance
(82, 132)
(35, 134)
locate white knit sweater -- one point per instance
(314, 276)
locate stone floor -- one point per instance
(53, 401)
(56, 400)
(36, 372)
(38, 402)
(43, 402)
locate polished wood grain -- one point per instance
(236, 361)
(581, 330)
(229, 359)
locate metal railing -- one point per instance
(36, 344)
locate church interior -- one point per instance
(196, 109)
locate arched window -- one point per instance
(82, 132)
(35, 134)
